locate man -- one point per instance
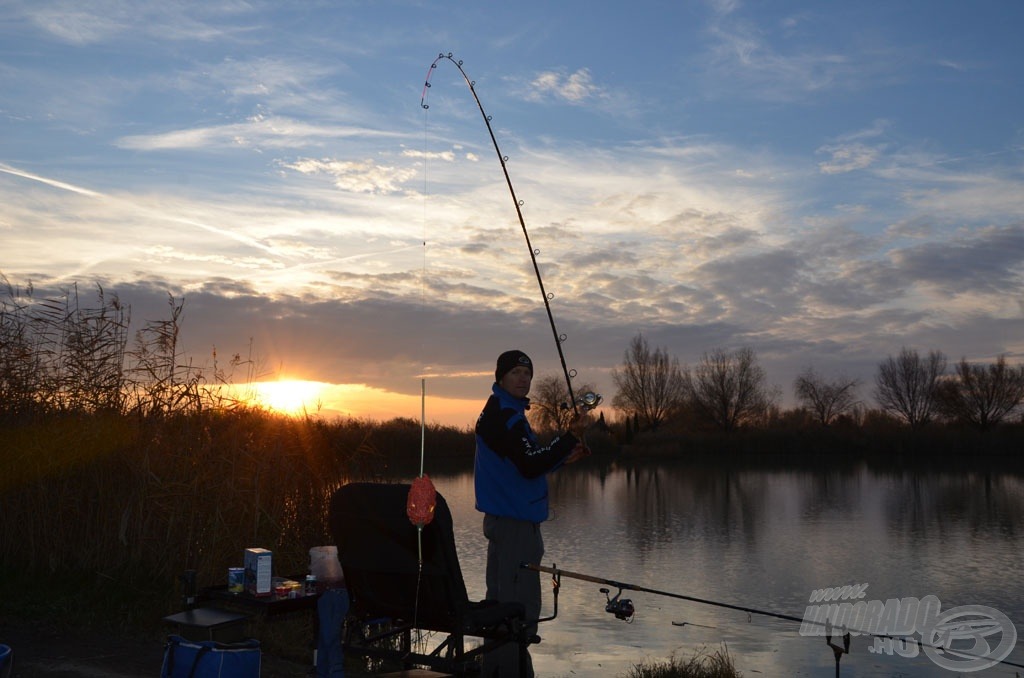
(510, 478)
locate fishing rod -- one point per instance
(623, 608)
(624, 586)
(586, 401)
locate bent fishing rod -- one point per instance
(623, 609)
(586, 401)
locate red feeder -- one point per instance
(422, 501)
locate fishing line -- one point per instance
(422, 500)
(558, 573)
(587, 401)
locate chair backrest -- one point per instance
(379, 551)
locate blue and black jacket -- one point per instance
(511, 467)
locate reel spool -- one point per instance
(589, 400)
(622, 608)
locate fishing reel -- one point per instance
(586, 401)
(622, 608)
(589, 400)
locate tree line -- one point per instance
(61, 355)
(729, 390)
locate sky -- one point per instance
(824, 183)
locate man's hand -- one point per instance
(581, 451)
(580, 424)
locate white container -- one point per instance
(323, 563)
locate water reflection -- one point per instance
(764, 539)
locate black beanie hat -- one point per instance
(510, 359)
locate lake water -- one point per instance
(761, 539)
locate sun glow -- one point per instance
(289, 396)
(298, 398)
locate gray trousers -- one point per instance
(510, 543)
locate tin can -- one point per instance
(236, 579)
(310, 584)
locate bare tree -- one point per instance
(650, 384)
(906, 385)
(982, 395)
(826, 399)
(550, 409)
(729, 389)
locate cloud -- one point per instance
(263, 76)
(363, 176)
(256, 132)
(950, 190)
(446, 156)
(78, 27)
(754, 54)
(104, 20)
(954, 65)
(277, 85)
(847, 157)
(850, 152)
(574, 88)
(103, 220)
(723, 7)
(987, 261)
(742, 57)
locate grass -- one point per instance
(703, 664)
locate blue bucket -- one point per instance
(6, 661)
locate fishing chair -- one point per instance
(392, 595)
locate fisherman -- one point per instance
(510, 477)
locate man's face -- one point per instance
(517, 381)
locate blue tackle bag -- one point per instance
(210, 659)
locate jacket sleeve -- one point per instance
(506, 433)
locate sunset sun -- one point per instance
(289, 396)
